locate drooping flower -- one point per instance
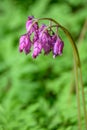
(43, 34)
(37, 49)
(29, 22)
(58, 47)
(25, 43)
(42, 37)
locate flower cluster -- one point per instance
(40, 38)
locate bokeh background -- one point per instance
(39, 94)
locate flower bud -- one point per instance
(58, 47)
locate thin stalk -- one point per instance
(83, 97)
(78, 65)
(77, 94)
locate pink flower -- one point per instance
(25, 44)
(58, 47)
(37, 49)
(29, 22)
(42, 37)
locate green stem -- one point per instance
(83, 97)
(77, 65)
(77, 93)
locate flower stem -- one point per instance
(77, 66)
(77, 93)
(83, 97)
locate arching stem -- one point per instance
(77, 67)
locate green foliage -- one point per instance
(36, 94)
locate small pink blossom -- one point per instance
(41, 38)
(58, 47)
(37, 49)
(25, 44)
(29, 23)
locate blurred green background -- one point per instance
(39, 94)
